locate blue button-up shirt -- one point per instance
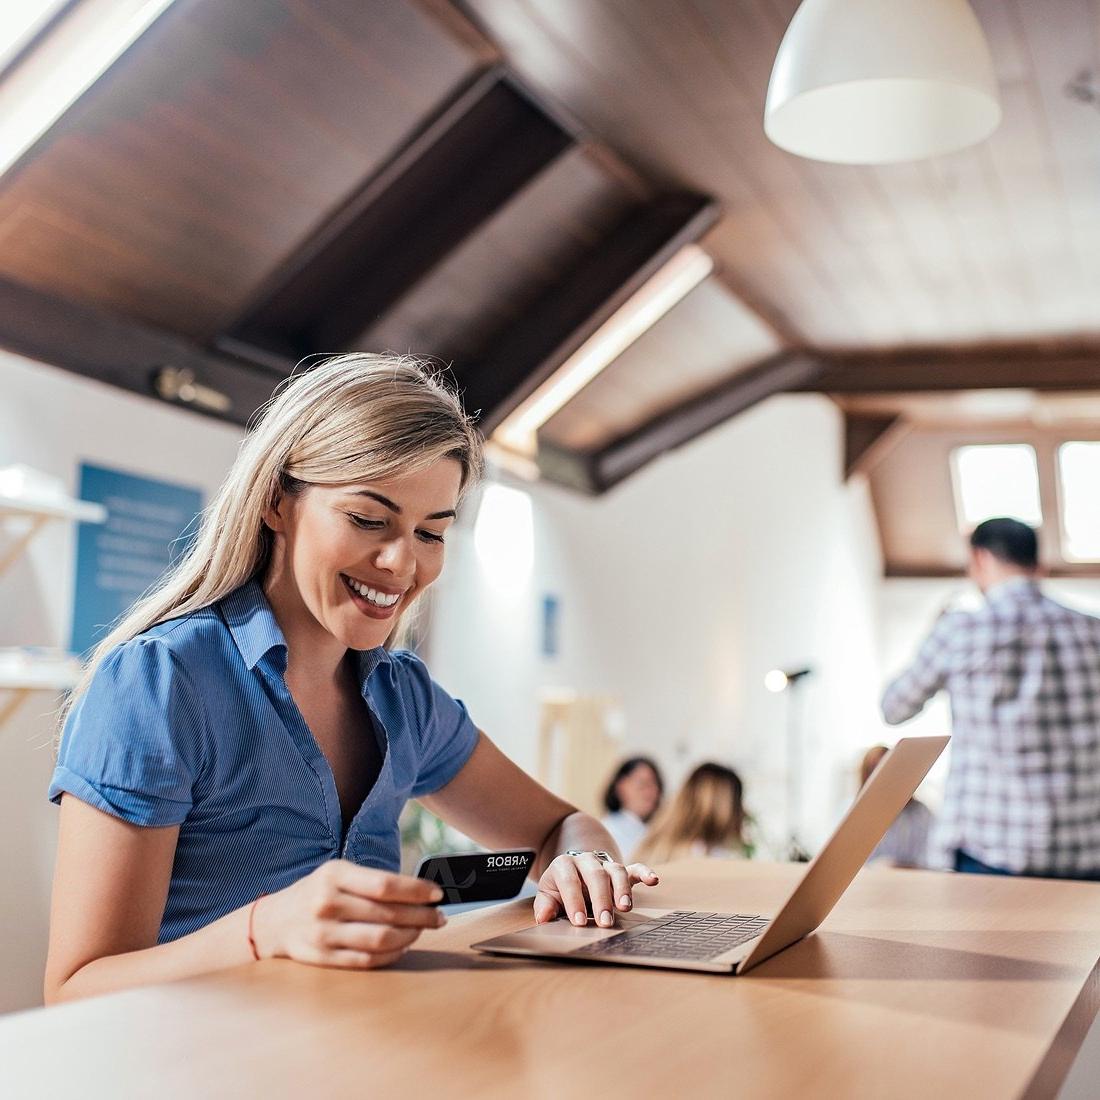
(191, 724)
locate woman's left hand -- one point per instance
(572, 881)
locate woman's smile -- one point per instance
(374, 602)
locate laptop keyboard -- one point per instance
(695, 937)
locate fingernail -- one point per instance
(437, 894)
(579, 918)
(625, 901)
(606, 919)
(440, 920)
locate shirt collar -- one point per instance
(1013, 587)
(256, 632)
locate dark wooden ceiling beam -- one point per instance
(867, 438)
(938, 569)
(1065, 367)
(475, 155)
(586, 296)
(672, 429)
(571, 469)
(122, 352)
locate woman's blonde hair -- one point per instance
(355, 417)
(707, 809)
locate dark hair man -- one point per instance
(1023, 676)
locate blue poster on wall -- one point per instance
(551, 614)
(118, 560)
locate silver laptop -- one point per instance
(731, 943)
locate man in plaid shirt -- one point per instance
(1023, 676)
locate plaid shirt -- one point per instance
(1023, 675)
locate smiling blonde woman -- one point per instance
(233, 765)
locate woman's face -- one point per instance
(358, 555)
(639, 792)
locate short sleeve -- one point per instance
(447, 735)
(132, 745)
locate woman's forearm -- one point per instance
(222, 943)
(580, 831)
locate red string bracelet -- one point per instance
(251, 937)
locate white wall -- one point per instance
(680, 589)
(52, 421)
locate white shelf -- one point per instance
(53, 508)
(21, 670)
(28, 492)
(38, 498)
(65, 508)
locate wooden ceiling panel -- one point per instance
(64, 253)
(1071, 129)
(915, 507)
(230, 141)
(990, 244)
(518, 254)
(484, 146)
(651, 86)
(863, 244)
(1023, 182)
(707, 338)
(216, 144)
(602, 281)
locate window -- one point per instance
(997, 479)
(1079, 480)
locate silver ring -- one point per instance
(603, 857)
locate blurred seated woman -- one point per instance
(633, 796)
(906, 841)
(705, 818)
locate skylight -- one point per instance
(1079, 481)
(54, 75)
(20, 21)
(996, 479)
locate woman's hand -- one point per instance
(570, 881)
(345, 915)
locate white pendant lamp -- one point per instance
(881, 81)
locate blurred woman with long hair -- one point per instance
(705, 818)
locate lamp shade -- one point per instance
(881, 81)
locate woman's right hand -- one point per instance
(345, 915)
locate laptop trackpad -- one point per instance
(561, 935)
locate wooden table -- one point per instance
(920, 984)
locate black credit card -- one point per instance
(478, 876)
